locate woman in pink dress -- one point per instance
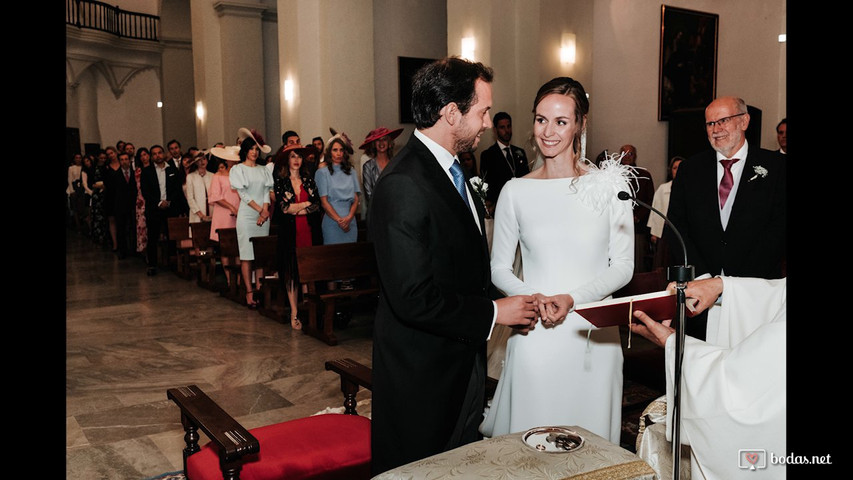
(223, 200)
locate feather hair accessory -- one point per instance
(604, 182)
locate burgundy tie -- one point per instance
(727, 181)
(126, 176)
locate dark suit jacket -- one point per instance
(123, 193)
(754, 242)
(495, 171)
(435, 307)
(174, 192)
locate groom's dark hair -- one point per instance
(444, 81)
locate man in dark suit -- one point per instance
(164, 198)
(124, 205)
(501, 161)
(729, 204)
(644, 190)
(436, 307)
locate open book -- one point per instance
(616, 311)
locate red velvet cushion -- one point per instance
(328, 447)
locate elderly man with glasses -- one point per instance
(729, 203)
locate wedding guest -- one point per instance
(253, 183)
(339, 189)
(198, 184)
(86, 175)
(175, 154)
(782, 136)
(100, 226)
(656, 222)
(124, 193)
(297, 199)
(224, 201)
(738, 226)
(109, 193)
(75, 191)
(579, 249)
(733, 388)
(161, 189)
(501, 161)
(469, 163)
(379, 146)
(143, 159)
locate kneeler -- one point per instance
(331, 446)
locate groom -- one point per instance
(436, 308)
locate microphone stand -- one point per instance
(680, 274)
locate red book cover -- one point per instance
(616, 311)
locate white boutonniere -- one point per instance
(480, 188)
(759, 172)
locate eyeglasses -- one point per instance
(722, 122)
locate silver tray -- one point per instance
(552, 439)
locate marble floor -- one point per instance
(130, 337)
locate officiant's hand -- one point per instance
(702, 293)
(519, 312)
(656, 332)
(553, 309)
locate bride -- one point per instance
(577, 246)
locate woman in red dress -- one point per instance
(297, 198)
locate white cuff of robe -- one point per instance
(494, 320)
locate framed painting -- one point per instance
(408, 66)
(688, 59)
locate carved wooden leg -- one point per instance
(191, 438)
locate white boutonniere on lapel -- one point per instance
(480, 188)
(759, 172)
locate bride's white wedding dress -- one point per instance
(576, 237)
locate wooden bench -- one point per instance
(234, 445)
(229, 248)
(205, 256)
(320, 264)
(273, 297)
(179, 234)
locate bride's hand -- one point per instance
(553, 309)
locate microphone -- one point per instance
(681, 274)
(623, 195)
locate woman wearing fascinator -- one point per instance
(253, 183)
(577, 245)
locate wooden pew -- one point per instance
(179, 233)
(228, 248)
(319, 264)
(205, 256)
(272, 296)
(235, 444)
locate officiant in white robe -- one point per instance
(733, 397)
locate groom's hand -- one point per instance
(519, 312)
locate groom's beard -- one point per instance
(465, 140)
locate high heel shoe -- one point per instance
(250, 300)
(295, 323)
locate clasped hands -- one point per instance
(522, 312)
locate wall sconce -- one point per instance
(199, 111)
(783, 38)
(159, 104)
(288, 90)
(567, 48)
(468, 48)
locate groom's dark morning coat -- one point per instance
(435, 307)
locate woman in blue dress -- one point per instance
(339, 189)
(253, 183)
